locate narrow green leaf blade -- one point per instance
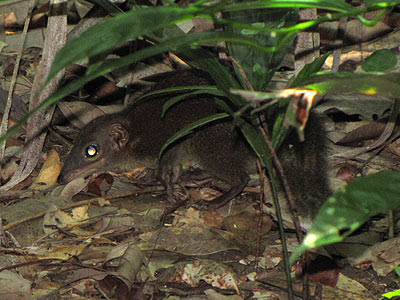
(179, 98)
(118, 30)
(259, 66)
(335, 5)
(189, 129)
(354, 83)
(309, 70)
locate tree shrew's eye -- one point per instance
(91, 150)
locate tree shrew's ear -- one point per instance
(118, 136)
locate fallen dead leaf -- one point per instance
(49, 173)
(214, 273)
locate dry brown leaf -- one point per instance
(49, 173)
(65, 252)
(74, 187)
(214, 273)
(80, 213)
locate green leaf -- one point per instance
(335, 5)
(380, 3)
(354, 83)
(397, 270)
(280, 131)
(392, 294)
(350, 207)
(256, 140)
(118, 30)
(259, 66)
(309, 70)
(380, 61)
(224, 80)
(203, 60)
(142, 21)
(189, 129)
(179, 98)
(206, 88)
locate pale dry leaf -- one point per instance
(74, 187)
(10, 20)
(55, 218)
(65, 252)
(214, 273)
(80, 213)
(49, 173)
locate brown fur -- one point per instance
(133, 139)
